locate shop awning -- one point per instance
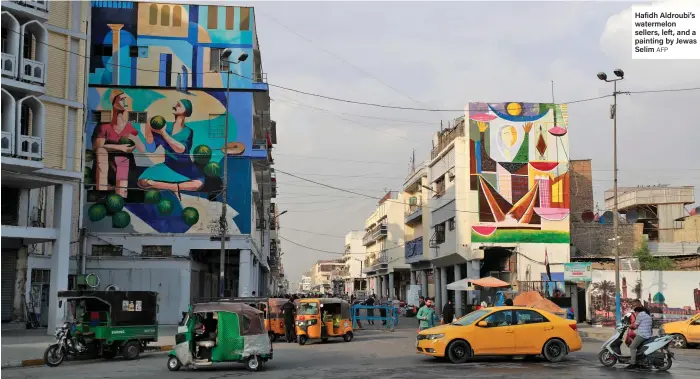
(468, 284)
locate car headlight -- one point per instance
(434, 336)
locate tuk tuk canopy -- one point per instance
(126, 308)
(250, 319)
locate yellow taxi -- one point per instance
(506, 330)
(684, 332)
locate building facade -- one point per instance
(500, 195)
(305, 283)
(44, 58)
(179, 124)
(321, 275)
(417, 218)
(385, 265)
(353, 259)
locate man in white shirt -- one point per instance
(643, 325)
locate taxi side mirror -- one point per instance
(482, 324)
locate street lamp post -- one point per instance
(222, 221)
(362, 278)
(616, 243)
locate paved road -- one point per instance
(371, 354)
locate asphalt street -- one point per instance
(371, 354)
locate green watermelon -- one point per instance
(212, 169)
(89, 155)
(126, 141)
(97, 212)
(165, 207)
(190, 216)
(114, 203)
(202, 154)
(152, 196)
(121, 220)
(157, 122)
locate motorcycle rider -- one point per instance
(643, 326)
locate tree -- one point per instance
(604, 288)
(647, 261)
(638, 289)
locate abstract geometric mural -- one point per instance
(519, 166)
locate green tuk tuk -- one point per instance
(104, 323)
(221, 332)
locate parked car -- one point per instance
(685, 333)
(502, 331)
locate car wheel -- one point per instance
(679, 342)
(131, 350)
(302, 340)
(554, 351)
(173, 363)
(606, 359)
(458, 351)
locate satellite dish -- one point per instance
(588, 216)
(632, 216)
(607, 218)
(92, 280)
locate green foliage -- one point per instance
(647, 261)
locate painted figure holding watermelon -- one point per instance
(178, 172)
(113, 145)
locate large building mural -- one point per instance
(156, 137)
(518, 162)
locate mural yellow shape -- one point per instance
(509, 135)
(514, 109)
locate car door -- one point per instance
(531, 329)
(694, 330)
(497, 337)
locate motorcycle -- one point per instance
(654, 352)
(67, 344)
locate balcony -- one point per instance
(8, 143)
(414, 210)
(375, 233)
(9, 65)
(413, 250)
(31, 147)
(38, 9)
(447, 136)
(33, 71)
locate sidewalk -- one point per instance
(23, 348)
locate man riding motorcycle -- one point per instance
(642, 324)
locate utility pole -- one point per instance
(223, 225)
(616, 243)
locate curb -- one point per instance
(40, 361)
(595, 335)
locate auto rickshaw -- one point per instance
(104, 323)
(238, 335)
(322, 319)
(274, 320)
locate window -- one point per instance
(101, 116)
(245, 19)
(440, 233)
(470, 318)
(229, 18)
(153, 14)
(529, 317)
(107, 250)
(156, 250)
(165, 16)
(212, 17)
(502, 318)
(440, 187)
(4, 40)
(28, 44)
(451, 224)
(177, 15)
(102, 50)
(215, 63)
(138, 117)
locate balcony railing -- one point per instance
(33, 71)
(41, 5)
(413, 248)
(31, 147)
(9, 65)
(8, 143)
(446, 137)
(377, 232)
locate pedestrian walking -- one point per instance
(448, 312)
(370, 312)
(288, 309)
(426, 316)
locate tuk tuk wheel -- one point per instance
(253, 363)
(347, 337)
(303, 339)
(131, 350)
(173, 363)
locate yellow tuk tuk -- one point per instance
(322, 319)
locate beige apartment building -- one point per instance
(44, 50)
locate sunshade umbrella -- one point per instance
(468, 284)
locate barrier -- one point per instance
(391, 318)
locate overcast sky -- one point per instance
(444, 55)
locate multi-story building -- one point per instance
(179, 125)
(44, 58)
(353, 259)
(321, 273)
(385, 264)
(500, 196)
(417, 251)
(305, 283)
(274, 260)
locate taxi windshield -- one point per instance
(308, 308)
(470, 318)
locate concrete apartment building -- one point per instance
(321, 275)
(385, 266)
(353, 258)
(500, 195)
(417, 252)
(305, 283)
(44, 57)
(179, 116)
